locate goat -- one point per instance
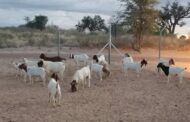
(166, 62)
(54, 90)
(134, 66)
(52, 67)
(168, 70)
(127, 55)
(32, 71)
(127, 59)
(99, 70)
(19, 72)
(30, 62)
(100, 59)
(80, 77)
(53, 59)
(81, 58)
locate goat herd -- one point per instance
(52, 69)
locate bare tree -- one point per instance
(172, 15)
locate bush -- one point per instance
(17, 37)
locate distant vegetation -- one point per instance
(92, 24)
(137, 25)
(142, 17)
(39, 22)
(22, 36)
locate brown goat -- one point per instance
(53, 59)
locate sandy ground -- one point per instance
(147, 98)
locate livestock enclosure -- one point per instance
(147, 98)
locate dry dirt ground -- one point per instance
(147, 98)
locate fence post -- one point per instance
(110, 44)
(58, 51)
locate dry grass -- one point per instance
(19, 37)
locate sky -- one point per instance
(64, 13)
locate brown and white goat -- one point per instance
(81, 76)
(54, 90)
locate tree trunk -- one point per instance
(136, 45)
(140, 41)
(170, 29)
(173, 29)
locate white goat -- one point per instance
(80, 77)
(168, 70)
(127, 58)
(54, 90)
(134, 66)
(32, 71)
(30, 62)
(99, 70)
(53, 67)
(80, 59)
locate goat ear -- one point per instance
(57, 78)
(127, 55)
(95, 57)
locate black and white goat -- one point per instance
(100, 59)
(32, 71)
(53, 67)
(166, 62)
(168, 70)
(19, 72)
